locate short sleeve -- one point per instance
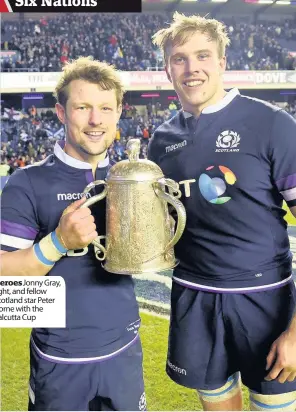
(19, 224)
(283, 156)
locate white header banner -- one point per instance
(151, 80)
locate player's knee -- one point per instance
(226, 392)
(280, 402)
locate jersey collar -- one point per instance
(217, 106)
(71, 161)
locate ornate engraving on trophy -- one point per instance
(139, 232)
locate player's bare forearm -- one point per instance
(292, 326)
(22, 263)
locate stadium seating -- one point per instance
(46, 44)
(27, 139)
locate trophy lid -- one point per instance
(134, 169)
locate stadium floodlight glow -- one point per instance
(265, 1)
(219, 1)
(283, 2)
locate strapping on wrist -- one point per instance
(49, 250)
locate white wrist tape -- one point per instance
(49, 250)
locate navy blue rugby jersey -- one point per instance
(102, 316)
(235, 164)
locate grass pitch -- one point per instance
(162, 393)
(290, 219)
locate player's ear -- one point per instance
(61, 112)
(222, 64)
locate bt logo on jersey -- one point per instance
(212, 186)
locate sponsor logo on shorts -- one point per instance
(142, 402)
(71, 196)
(173, 147)
(176, 369)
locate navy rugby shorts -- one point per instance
(110, 385)
(214, 335)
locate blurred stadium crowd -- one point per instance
(29, 136)
(46, 44)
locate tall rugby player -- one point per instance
(233, 298)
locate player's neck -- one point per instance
(84, 157)
(219, 95)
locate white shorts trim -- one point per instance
(214, 289)
(31, 395)
(58, 359)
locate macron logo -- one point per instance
(175, 146)
(176, 369)
(71, 196)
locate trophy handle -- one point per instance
(172, 200)
(100, 251)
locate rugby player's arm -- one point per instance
(19, 223)
(77, 226)
(22, 262)
(293, 322)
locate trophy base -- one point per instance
(140, 271)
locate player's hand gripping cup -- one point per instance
(139, 231)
